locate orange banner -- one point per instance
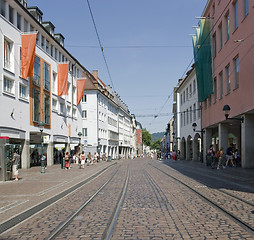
(62, 70)
(28, 54)
(81, 83)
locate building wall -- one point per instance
(240, 99)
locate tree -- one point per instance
(146, 137)
(156, 144)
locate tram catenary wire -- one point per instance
(240, 222)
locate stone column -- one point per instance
(195, 148)
(247, 151)
(207, 141)
(25, 154)
(50, 153)
(223, 137)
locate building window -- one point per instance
(84, 114)
(62, 108)
(46, 109)
(190, 90)
(55, 53)
(42, 42)
(246, 7)
(46, 76)
(2, 10)
(214, 45)
(18, 21)
(215, 89)
(68, 111)
(54, 104)
(74, 112)
(47, 46)
(84, 132)
(84, 98)
(190, 114)
(11, 14)
(181, 98)
(221, 84)
(187, 113)
(8, 48)
(236, 13)
(187, 94)
(25, 25)
(54, 83)
(220, 36)
(23, 93)
(228, 78)
(227, 25)
(194, 112)
(37, 71)
(51, 50)
(184, 97)
(194, 86)
(236, 63)
(8, 85)
(36, 105)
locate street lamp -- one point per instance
(194, 125)
(41, 125)
(79, 134)
(226, 109)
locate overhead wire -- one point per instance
(101, 47)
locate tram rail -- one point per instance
(112, 220)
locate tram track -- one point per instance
(108, 231)
(245, 221)
(7, 225)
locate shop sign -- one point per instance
(46, 139)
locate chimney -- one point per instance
(95, 74)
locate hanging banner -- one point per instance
(28, 54)
(80, 89)
(62, 70)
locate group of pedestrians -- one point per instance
(81, 159)
(220, 159)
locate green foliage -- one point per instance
(156, 144)
(146, 137)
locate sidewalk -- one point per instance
(236, 175)
(35, 187)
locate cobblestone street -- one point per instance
(163, 200)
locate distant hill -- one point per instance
(157, 135)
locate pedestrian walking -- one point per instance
(83, 159)
(220, 156)
(211, 153)
(15, 166)
(67, 164)
(95, 157)
(174, 155)
(230, 156)
(89, 159)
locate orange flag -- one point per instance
(28, 54)
(62, 70)
(81, 83)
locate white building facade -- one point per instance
(26, 102)
(189, 113)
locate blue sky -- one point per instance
(146, 45)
